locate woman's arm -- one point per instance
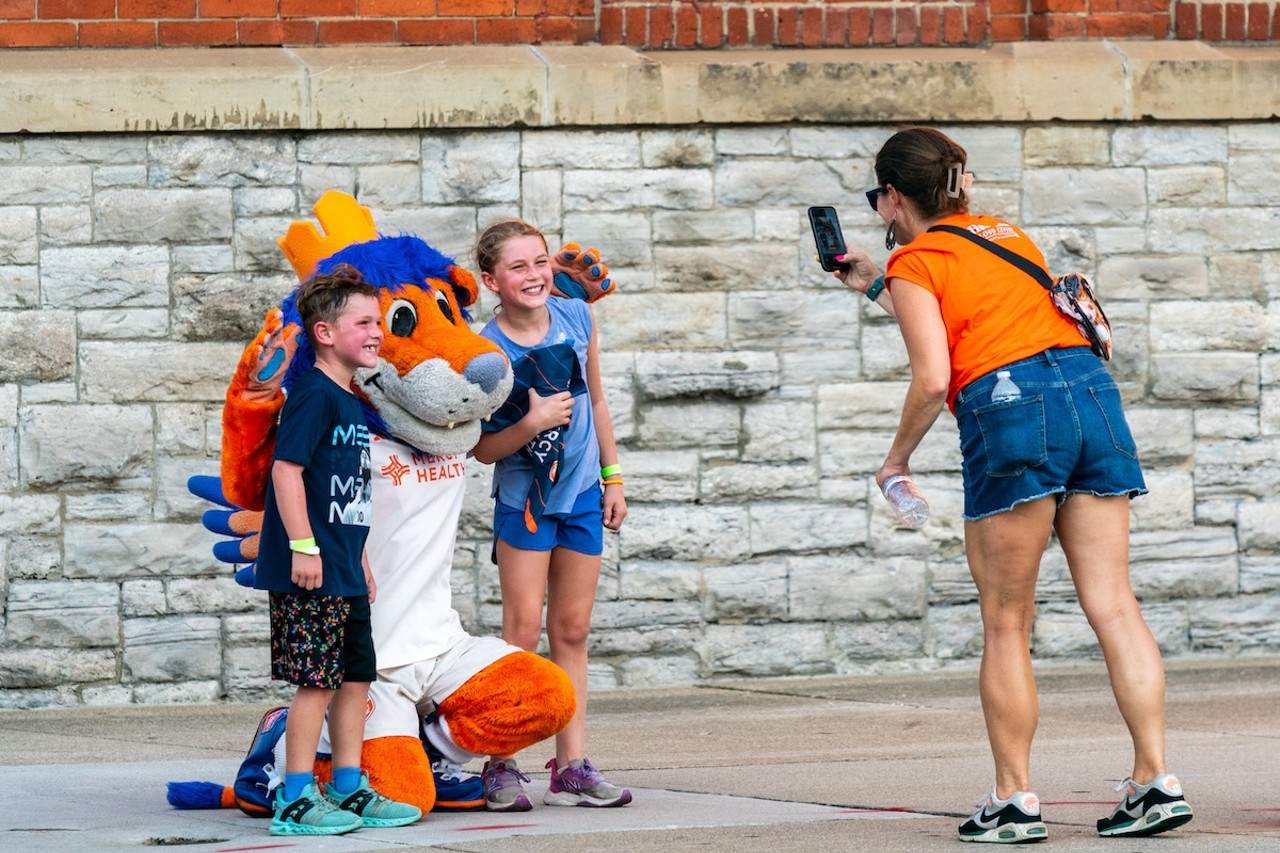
(925, 334)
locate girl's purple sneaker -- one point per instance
(580, 784)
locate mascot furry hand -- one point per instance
(435, 381)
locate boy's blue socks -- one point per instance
(293, 785)
(346, 779)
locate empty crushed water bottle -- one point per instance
(1005, 389)
(904, 497)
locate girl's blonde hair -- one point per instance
(495, 236)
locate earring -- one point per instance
(890, 239)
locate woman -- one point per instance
(1057, 457)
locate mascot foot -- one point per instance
(456, 789)
(580, 784)
(503, 788)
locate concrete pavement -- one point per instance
(883, 763)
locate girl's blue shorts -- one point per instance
(1066, 434)
(582, 530)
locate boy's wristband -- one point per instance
(305, 546)
(610, 470)
(876, 288)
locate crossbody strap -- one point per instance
(1014, 258)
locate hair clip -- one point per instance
(955, 179)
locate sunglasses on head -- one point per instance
(873, 196)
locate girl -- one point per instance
(552, 445)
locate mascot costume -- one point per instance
(442, 696)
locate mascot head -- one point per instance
(436, 379)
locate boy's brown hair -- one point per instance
(323, 297)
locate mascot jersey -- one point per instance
(579, 464)
(322, 429)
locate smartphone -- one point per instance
(827, 237)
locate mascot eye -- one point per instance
(402, 318)
(443, 302)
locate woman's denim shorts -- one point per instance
(1066, 434)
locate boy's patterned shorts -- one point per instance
(320, 640)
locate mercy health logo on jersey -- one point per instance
(351, 498)
(422, 467)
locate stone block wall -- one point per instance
(753, 397)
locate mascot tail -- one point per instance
(255, 783)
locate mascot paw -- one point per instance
(241, 524)
(580, 274)
(265, 361)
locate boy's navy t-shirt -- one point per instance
(322, 428)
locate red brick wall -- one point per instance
(676, 24)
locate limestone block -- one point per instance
(627, 189)
(755, 266)
(671, 424)
(105, 276)
(837, 363)
(63, 444)
(179, 215)
(661, 376)
(112, 505)
(778, 432)
(665, 580)
(660, 475)
(860, 405)
(806, 320)
(730, 225)
(851, 588)
(662, 321)
(784, 182)
(225, 307)
(1227, 423)
(954, 632)
(1233, 625)
(19, 287)
(8, 459)
(202, 259)
(135, 550)
(1222, 377)
(1064, 145)
(1207, 325)
(1112, 196)
(472, 168)
(52, 668)
(733, 482)
(172, 649)
(678, 148)
(196, 160)
(143, 598)
(1214, 230)
(1169, 505)
(211, 595)
(742, 592)
(686, 532)
(29, 514)
(117, 372)
(1259, 574)
(256, 249)
(183, 693)
(248, 629)
(624, 239)
(63, 615)
(123, 324)
(766, 650)
(540, 194)
(42, 184)
(884, 355)
(1061, 630)
(1199, 562)
(751, 141)
(18, 236)
(858, 644)
(658, 672)
(1152, 278)
(573, 149)
(1162, 435)
(254, 200)
(53, 359)
(804, 526)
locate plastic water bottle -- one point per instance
(1005, 389)
(907, 502)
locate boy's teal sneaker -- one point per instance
(372, 808)
(310, 814)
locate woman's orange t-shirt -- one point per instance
(994, 312)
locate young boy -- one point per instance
(311, 560)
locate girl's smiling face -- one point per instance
(522, 275)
